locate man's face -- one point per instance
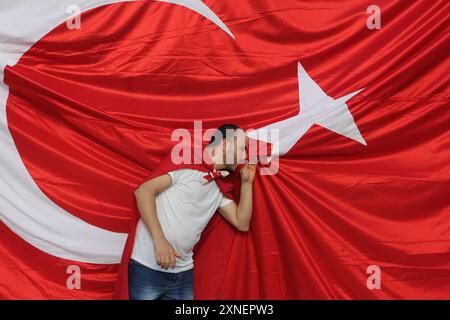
(234, 149)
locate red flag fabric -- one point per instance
(357, 210)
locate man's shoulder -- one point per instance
(188, 171)
(185, 173)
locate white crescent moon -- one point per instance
(24, 208)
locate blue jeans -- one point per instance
(145, 283)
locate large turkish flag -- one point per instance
(91, 112)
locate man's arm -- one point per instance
(240, 215)
(146, 202)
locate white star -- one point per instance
(316, 108)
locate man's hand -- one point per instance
(240, 215)
(165, 254)
(248, 172)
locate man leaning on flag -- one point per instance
(175, 205)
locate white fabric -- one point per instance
(183, 210)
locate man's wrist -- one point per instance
(246, 184)
(158, 237)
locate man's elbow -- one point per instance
(138, 191)
(243, 228)
(141, 191)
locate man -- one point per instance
(175, 208)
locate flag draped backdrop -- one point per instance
(86, 113)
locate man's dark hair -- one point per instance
(221, 133)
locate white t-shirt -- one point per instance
(183, 209)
